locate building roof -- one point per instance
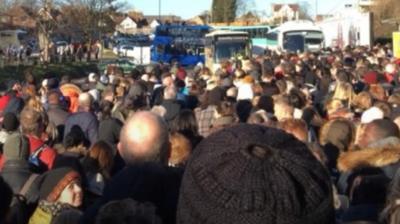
(277, 7)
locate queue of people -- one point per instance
(279, 138)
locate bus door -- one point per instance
(294, 43)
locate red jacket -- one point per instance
(47, 156)
(4, 101)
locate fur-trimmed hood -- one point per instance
(370, 157)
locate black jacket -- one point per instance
(109, 130)
(16, 173)
(173, 107)
(148, 182)
(87, 121)
(57, 115)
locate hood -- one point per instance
(370, 157)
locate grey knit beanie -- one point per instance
(253, 174)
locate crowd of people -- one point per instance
(280, 138)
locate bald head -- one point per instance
(144, 138)
(85, 100)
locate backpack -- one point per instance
(20, 211)
(34, 157)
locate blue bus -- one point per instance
(181, 43)
(257, 34)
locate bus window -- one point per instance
(272, 36)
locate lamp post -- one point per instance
(159, 10)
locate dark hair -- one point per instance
(106, 109)
(128, 211)
(243, 110)
(297, 98)
(185, 123)
(74, 138)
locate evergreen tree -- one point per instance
(230, 7)
(217, 11)
(224, 11)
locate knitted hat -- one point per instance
(254, 174)
(371, 114)
(55, 181)
(16, 147)
(10, 122)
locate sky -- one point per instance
(190, 8)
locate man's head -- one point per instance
(377, 130)
(31, 122)
(170, 93)
(85, 101)
(144, 138)
(167, 79)
(53, 97)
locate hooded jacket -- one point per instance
(369, 170)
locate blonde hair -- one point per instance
(344, 91)
(362, 101)
(35, 104)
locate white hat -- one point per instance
(245, 92)
(373, 113)
(104, 79)
(91, 77)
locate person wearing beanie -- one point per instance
(254, 174)
(59, 191)
(17, 175)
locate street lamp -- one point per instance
(159, 10)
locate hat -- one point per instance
(55, 181)
(104, 79)
(254, 174)
(371, 114)
(52, 83)
(245, 92)
(10, 122)
(16, 147)
(371, 78)
(92, 77)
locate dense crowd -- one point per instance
(285, 138)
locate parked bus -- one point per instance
(181, 43)
(257, 34)
(12, 38)
(296, 36)
(223, 45)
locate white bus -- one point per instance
(296, 36)
(223, 45)
(12, 38)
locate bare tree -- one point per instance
(304, 12)
(245, 7)
(386, 17)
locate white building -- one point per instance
(128, 23)
(285, 12)
(349, 26)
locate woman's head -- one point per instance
(180, 149)
(344, 91)
(185, 123)
(102, 152)
(62, 185)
